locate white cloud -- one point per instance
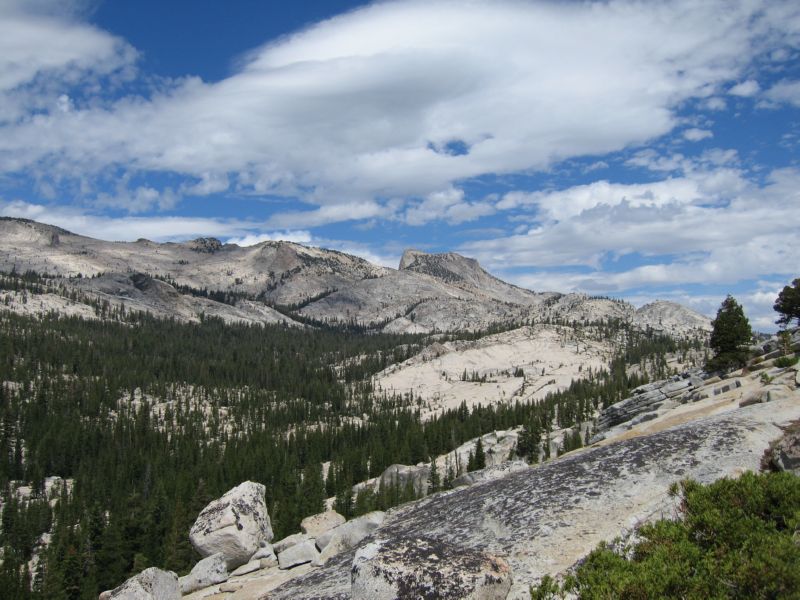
(745, 89)
(706, 227)
(785, 92)
(158, 228)
(351, 110)
(695, 135)
(715, 103)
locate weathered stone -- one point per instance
(625, 410)
(427, 568)
(352, 532)
(253, 565)
(230, 586)
(209, 571)
(676, 388)
(263, 552)
(347, 536)
(288, 542)
(297, 555)
(756, 396)
(778, 392)
(405, 475)
(490, 473)
(786, 453)
(235, 525)
(544, 519)
(316, 525)
(150, 584)
(727, 387)
(642, 419)
(268, 563)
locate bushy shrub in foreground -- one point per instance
(735, 539)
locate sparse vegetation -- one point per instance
(733, 539)
(787, 304)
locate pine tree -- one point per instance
(730, 335)
(434, 480)
(479, 462)
(787, 304)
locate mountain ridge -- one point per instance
(428, 293)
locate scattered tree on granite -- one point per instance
(83, 405)
(730, 336)
(787, 304)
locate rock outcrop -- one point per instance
(786, 453)
(212, 569)
(304, 552)
(315, 525)
(150, 584)
(347, 536)
(427, 568)
(235, 525)
(542, 520)
(445, 292)
(648, 398)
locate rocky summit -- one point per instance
(274, 282)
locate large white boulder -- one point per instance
(150, 584)
(209, 571)
(427, 568)
(235, 525)
(315, 525)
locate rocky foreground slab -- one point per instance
(542, 520)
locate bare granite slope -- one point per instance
(542, 520)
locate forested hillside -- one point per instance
(149, 419)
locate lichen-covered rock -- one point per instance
(427, 568)
(490, 473)
(316, 525)
(235, 525)
(150, 584)
(298, 554)
(209, 571)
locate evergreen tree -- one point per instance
(434, 480)
(479, 461)
(787, 304)
(730, 335)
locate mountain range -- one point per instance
(278, 281)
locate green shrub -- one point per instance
(786, 361)
(736, 539)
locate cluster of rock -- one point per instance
(648, 402)
(647, 399)
(233, 534)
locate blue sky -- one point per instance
(637, 150)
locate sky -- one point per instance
(622, 148)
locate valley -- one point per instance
(141, 381)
